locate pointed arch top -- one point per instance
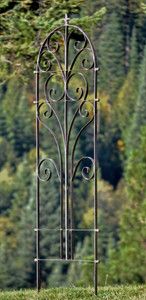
(64, 34)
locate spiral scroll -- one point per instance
(84, 112)
(52, 93)
(49, 53)
(45, 111)
(45, 173)
(87, 170)
(81, 92)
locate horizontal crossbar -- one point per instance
(68, 229)
(66, 260)
(60, 72)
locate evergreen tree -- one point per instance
(111, 54)
(28, 23)
(17, 250)
(132, 229)
(7, 190)
(139, 118)
(127, 97)
(22, 215)
(18, 118)
(134, 61)
(133, 225)
(7, 254)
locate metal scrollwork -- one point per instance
(79, 46)
(84, 112)
(54, 46)
(45, 63)
(44, 111)
(87, 62)
(85, 109)
(45, 173)
(87, 170)
(67, 70)
(52, 93)
(80, 91)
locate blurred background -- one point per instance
(118, 31)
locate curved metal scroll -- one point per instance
(50, 65)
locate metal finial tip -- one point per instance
(66, 19)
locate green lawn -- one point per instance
(107, 293)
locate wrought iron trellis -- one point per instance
(66, 171)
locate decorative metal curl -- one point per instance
(82, 129)
(84, 114)
(49, 129)
(45, 64)
(55, 43)
(54, 112)
(48, 112)
(47, 171)
(78, 49)
(84, 110)
(86, 63)
(53, 91)
(86, 170)
(47, 50)
(80, 91)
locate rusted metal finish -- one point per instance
(67, 167)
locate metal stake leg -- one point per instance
(95, 187)
(66, 142)
(38, 271)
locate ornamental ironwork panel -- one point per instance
(66, 76)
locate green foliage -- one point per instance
(88, 21)
(118, 29)
(125, 103)
(131, 253)
(17, 250)
(139, 118)
(111, 293)
(111, 53)
(24, 25)
(18, 130)
(82, 274)
(134, 53)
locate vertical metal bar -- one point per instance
(66, 144)
(95, 187)
(38, 275)
(61, 218)
(71, 215)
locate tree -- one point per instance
(18, 118)
(133, 225)
(7, 253)
(26, 24)
(132, 228)
(124, 105)
(111, 206)
(111, 54)
(139, 117)
(134, 55)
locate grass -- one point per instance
(106, 293)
